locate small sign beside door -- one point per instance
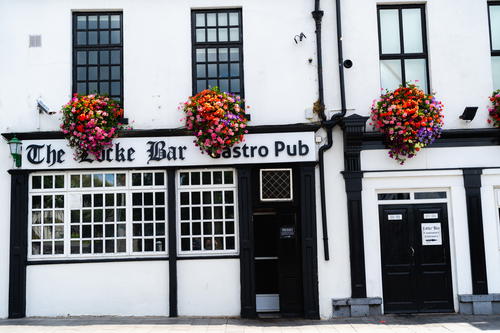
(395, 217)
(431, 234)
(287, 232)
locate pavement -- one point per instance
(389, 323)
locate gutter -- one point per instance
(337, 118)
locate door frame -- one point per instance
(372, 229)
(306, 197)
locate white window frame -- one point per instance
(290, 171)
(412, 199)
(200, 188)
(67, 191)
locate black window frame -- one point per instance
(97, 47)
(216, 45)
(494, 53)
(402, 55)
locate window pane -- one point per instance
(211, 19)
(495, 27)
(495, 66)
(412, 30)
(416, 72)
(390, 74)
(103, 22)
(200, 35)
(92, 22)
(115, 21)
(211, 35)
(200, 55)
(81, 22)
(104, 37)
(233, 19)
(234, 34)
(389, 31)
(81, 38)
(222, 19)
(200, 20)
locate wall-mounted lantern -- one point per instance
(469, 113)
(16, 147)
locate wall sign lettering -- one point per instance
(173, 151)
(395, 217)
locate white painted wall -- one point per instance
(279, 84)
(124, 289)
(209, 287)
(334, 275)
(459, 56)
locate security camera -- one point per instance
(42, 108)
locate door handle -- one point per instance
(412, 251)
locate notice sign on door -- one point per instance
(431, 234)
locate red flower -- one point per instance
(80, 128)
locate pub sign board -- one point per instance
(172, 151)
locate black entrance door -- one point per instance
(278, 283)
(415, 249)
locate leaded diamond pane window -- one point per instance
(276, 185)
(207, 221)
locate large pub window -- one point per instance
(403, 46)
(494, 19)
(217, 50)
(97, 214)
(207, 212)
(98, 54)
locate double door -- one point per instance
(415, 250)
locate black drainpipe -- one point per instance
(328, 125)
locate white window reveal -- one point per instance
(276, 185)
(207, 212)
(97, 214)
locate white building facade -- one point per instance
(309, 217)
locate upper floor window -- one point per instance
(402, 45)
(98, 54)
(494, 15)
(217, 50)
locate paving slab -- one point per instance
(380, 324)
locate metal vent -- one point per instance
(35, 40)
(276, 185)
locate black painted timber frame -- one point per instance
(172, 243)
(247, 264)
(354, 128)
(309, 243)
(18, 243)
(472, 184)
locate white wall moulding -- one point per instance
(172, 151)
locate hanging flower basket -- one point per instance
(216, 119)
(410, 120)
(494, 109)
(90, 123)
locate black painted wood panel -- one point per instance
(472, 183)
(309, 243)
(18, 243)
(172, 243)
(247, 264)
